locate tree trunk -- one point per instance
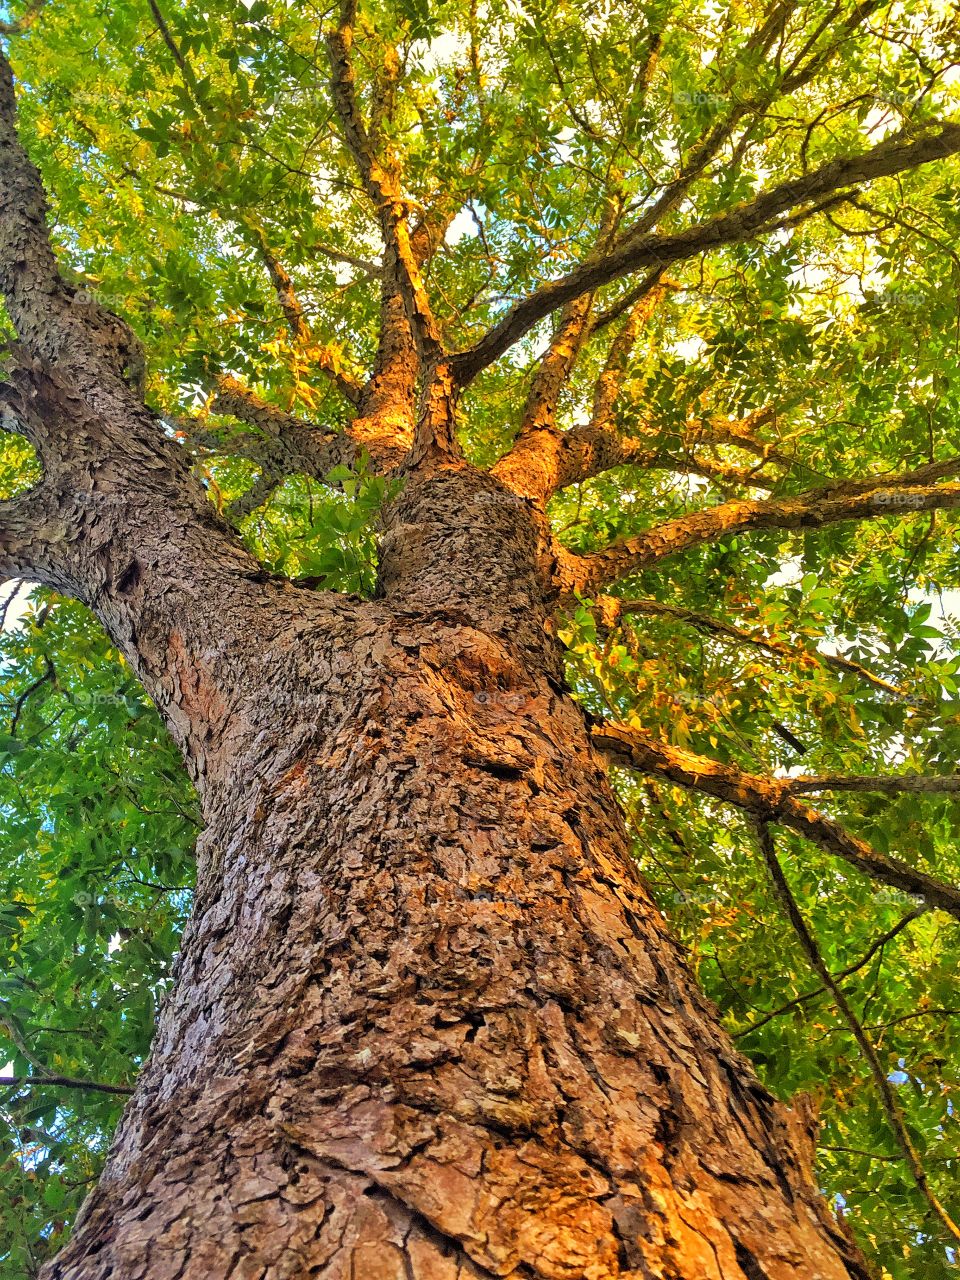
(426, 1023)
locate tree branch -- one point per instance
(301, 437)
(770, 800)
(383, 188)
(740, 433)
(435, 431)
(283, 444)
(888, 1098)
(388, 400)
(371, 270)
(86, 340)
(14, 584)
(629, 300)
(877, 496)
(186, 70)
(598, 446)
(257, 496)
(63, 1082)
(877, 945)
(49, 675)
(536, 462)
(45, 1077)
(322, 357)
(390, 394)
(609, 384)
(31, 525)
(544, 459)
(759, 43)
(794, 200)
(614, 608)
(912, 783)
(25, 21)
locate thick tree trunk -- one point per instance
(426, 1023)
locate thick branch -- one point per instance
(285, 445)
(533, 466)
(540, 410)
(31, 527)
(52, 320)
(435, 436)
(427, 235)
(283, 442)
(258, 495)
(435, 432)
(390, 395)
(609, 384)
(389, 398)
(739, 432)
(598, 446)
(799, 73)
(290, 304)
(383, 188)
(28, 269)
(795, 198)
(770, 800)
(545, 459)
(878, 496)
(629, 300)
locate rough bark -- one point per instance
(282, 444)
(426, 1022)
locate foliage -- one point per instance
(320, 532)
(97, 824)
(525, 118)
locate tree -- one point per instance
(447, 412)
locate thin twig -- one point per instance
(63, 1082)
(891, 1105)
(867, 956)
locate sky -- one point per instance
(18, 605)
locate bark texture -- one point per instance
(427, 1022)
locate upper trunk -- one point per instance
(427, 1022)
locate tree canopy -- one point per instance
(702, 260)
